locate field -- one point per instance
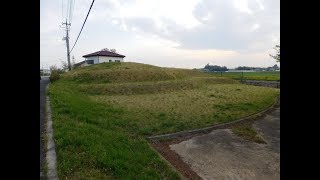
(102, 115)
(263, 75)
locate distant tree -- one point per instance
(277, 56)
(54, 68)
(213, 68)
(55, 73)
(207, 66)
(244, 68)
(64, 65)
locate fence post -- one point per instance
(241, 76)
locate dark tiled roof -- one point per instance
(104, 53)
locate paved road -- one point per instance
(43, 84)
(223, 155)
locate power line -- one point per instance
(67, 42)
(83, 25)
(51, 57)
(67, 15)
(62, 9)
(67, 6)
(71, 9)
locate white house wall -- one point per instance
(94, 58)
(106, 59)
(101, 59)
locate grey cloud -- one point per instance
(147, 26)
(229, 28)
(226, 28)
(143, 24)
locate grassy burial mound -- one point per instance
(102, 114)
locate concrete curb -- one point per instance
(210, 128)
(51, 153)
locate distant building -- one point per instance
(45, 72)
(102, 56)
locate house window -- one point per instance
(117, 60)
(110, 60)
(90, 62)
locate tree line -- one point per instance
(214, 68)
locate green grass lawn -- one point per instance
(158, 113)
(101, 121)
(263, 75)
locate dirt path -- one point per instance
(275, 84)
(223, 155)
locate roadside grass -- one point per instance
(101, 125)
(246, 131)
(92, 141)
(262, 76)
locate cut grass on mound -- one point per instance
(152, 87)
(100, 129)
(128, 72)
(189, 109)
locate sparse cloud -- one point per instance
(177, 32)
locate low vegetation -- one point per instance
(247, 132)
(102, 115)
(262, 75)
(54, 76)
(55, 73)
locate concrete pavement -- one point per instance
(223, 155)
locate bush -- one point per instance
(55, 75)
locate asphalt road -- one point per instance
(43, 84)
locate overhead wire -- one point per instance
(71, 10)
(62, 10)
(70, 13)
(82, 26)
(67, 15)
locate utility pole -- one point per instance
(67, 42)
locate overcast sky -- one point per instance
(167, 33)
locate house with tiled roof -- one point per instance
(105, 55)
